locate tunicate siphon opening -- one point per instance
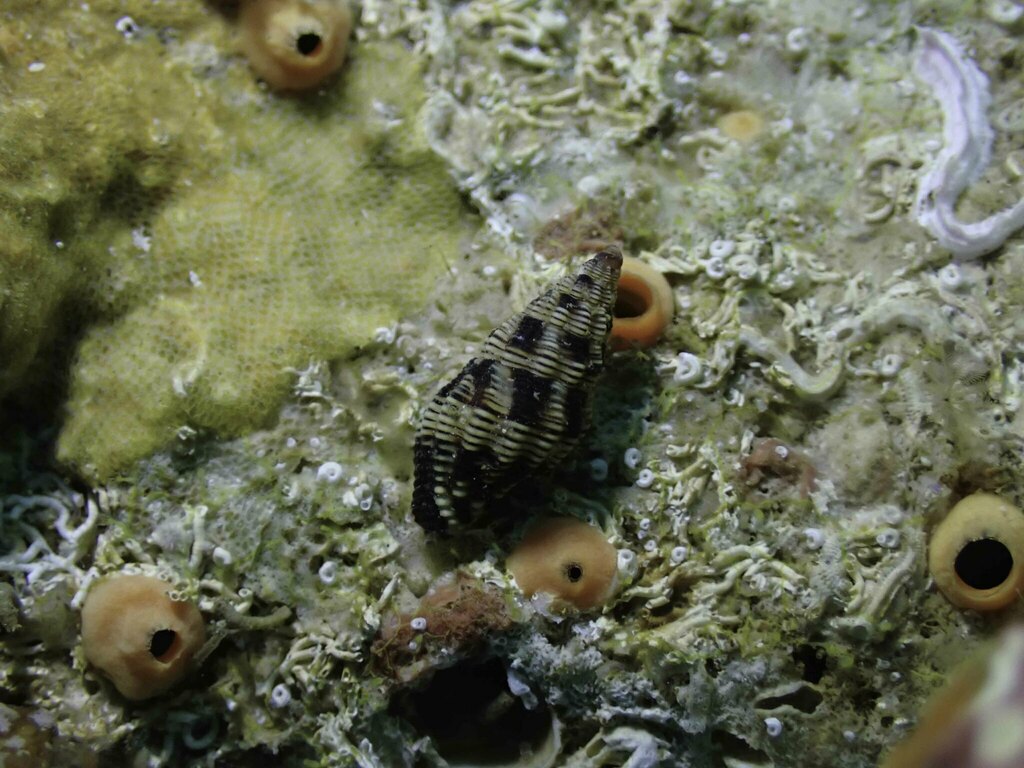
(984, 564)
(474, 719)
(632, 301)
(308, 43)
(162, 644)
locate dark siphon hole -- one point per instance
(574, 572)
(308, 43)
(162, 642)
(629, 304)
(984, 563)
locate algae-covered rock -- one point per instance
(221, 235)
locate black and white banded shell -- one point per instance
(522, 403)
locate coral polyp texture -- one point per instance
(228, 306)
(210, 304)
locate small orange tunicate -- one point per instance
(643, 308)
(976, 554)
(567, 560)
(743, 125)
(137, 635)
(295, 44)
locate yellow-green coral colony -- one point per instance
(522, 403)
(214, 305)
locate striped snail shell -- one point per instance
(522, 403)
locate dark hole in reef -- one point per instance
(732, 746)
(308, 43)
(574, 572)
(161, 643)
(201, 732)
(984, 563)
(471, 716)
(813, 660)
(629, 303)
(713, 667)
(804, 699)
(864, 699)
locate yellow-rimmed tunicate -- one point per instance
(743, 125)
(976, 554)
(643, 308)
(295, 44)
(137, 635)
(567, 560)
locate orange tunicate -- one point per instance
(743, 125)
(295, 44)
(976, 554)
(567, 560)
(644, 306)
(138, 635)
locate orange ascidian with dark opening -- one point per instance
(566, 561)
(643, 308)
(976, 554)
(295, 44)
(138, 635)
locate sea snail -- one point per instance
(522, 403)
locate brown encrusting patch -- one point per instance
(588, 229)
(773, 457)
(457, 615)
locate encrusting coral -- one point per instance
(216, 305)
(976, 554)
(295, 44)
(138, 635)
(566, 560)
(644, 306)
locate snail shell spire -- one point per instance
(522, 403)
